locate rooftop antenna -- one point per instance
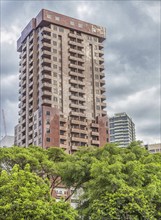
(4, 122)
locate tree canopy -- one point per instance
(117, 183)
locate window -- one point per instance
(55, 99)
(54, 43)
(55, 28)
(47, 130)
(47, 112)
(80, 25)
(57, 18)
(61, 29)
(47, 121)
(54, 35)
(98, 107)
(55, 82)
(49, 16)
(48, 139)
(55, 74)
(55, 66)
(72, 23)
(56, 91)
(97, 84)
(96, 69)
(54, 51)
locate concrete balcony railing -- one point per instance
(78, 114)
(64, 146)
(79, 131)
(76, 59)
(46, 77)
(78, 122)
(76, 51)
(46, 101)
(71, 73)
(94, 125)
(78, 106)
(79, 139)
(73, 81)
(76, 66)
(73, 89)
(46, 93)
(95, 142)
(79, 98)
(75, 36)
(76, 43)
(63, 137)
(95, 133)
(46, 85)
(63, 128)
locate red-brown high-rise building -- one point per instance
(62, 93)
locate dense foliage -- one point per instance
(117, 183)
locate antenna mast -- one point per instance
(4, 122)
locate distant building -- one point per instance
(122, 129)
(7, 141)
(154, 148)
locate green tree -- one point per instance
(124, 183)
(24, 195)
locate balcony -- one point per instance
(78, 114)
(103, 89)
(46, 69)
(75, 36)
(64, 146)
(94, 133)
(101, 67)
(46, 77)
(102, 82)
(30, 68)
(76, 59)
(63, 137)
(103, 97)
(75, 43)
(79, 131)
(76, 66)
(79, 82)
(79, 98)
(46, 53)
(46, 85)
(94, 125)
(46, 61)
(63, 128)
(102, 75)
(46, 101)
(79, 106)
(47, 93)
(73, 89)
(76, 51)
(46, 29)
(95, 142)
(79, 139)
(46, 46)
(31, 84)
(77, 122)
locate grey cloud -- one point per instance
(133, 39)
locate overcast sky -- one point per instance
(132, 56)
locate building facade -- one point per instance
(122, 129)
(61, 83)
(153, 148)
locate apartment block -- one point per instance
(61, 83)
(153, 148)
(122, 129)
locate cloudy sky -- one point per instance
(132, 56)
